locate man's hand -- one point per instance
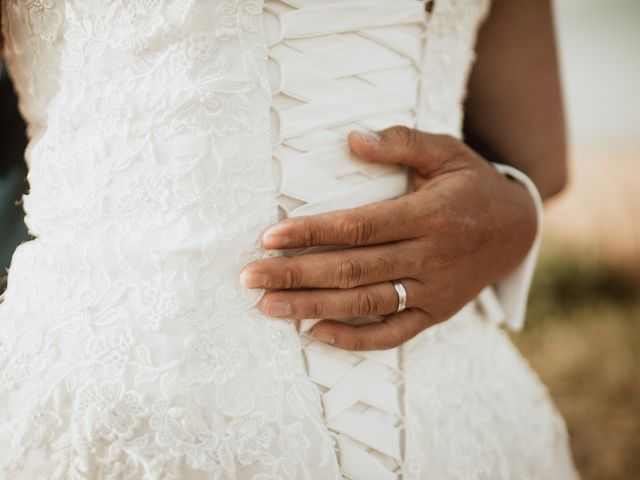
(463, 227)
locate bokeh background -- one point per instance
(583, 329)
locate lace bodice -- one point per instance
(128, 348)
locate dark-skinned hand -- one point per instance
(464, 226)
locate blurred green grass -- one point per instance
(583, 338)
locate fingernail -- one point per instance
(254, 279)
(275, 241)
(274, 238)
(369, 136)
(323, 336)
(278, 309)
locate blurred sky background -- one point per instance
(600, 46)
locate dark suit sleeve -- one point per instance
(12, 128)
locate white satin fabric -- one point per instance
(165, 136)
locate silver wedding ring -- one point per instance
(402, 295)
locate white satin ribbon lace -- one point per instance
(337, 67)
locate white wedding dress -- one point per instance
(166, 136)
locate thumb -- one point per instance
(427, 153)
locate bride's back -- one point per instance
(114, 91)
(152, 178)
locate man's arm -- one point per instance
(514, 111)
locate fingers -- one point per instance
(347, 268)
(426, 152)
(391, 220)
(381, 222)
(368, 301)
(388, 333)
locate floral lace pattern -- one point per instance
(128, 348)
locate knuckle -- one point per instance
(383, 265)
(439, 262)
(291, 275)
(350, 273)
(309, 234)
(359, 230)
(443, 221)
(305, 308)
(359, 343)
(311, 310)
(368, 304)
(268, 301)
(404, 135)
(408, 141)
(363, 305)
